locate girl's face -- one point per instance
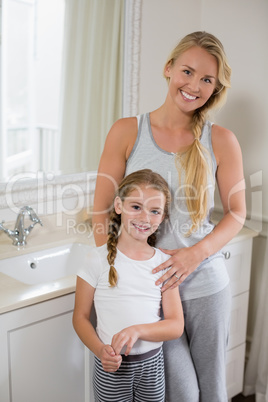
(193, 78)
(142, 211)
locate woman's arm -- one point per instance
(231, 186)
(117, 148)
(81, 321)
(171, 327)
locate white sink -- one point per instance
(46, 265)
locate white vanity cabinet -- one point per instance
(42, 358)
(238, 261)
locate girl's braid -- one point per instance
(152, 239)
(114, 227)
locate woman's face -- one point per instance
(192, 78)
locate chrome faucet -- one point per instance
(20, 233)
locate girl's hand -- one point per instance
(109, 359)
(182, 262)
(127, 336)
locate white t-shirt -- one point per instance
(134, 300)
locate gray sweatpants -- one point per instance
(195, 363)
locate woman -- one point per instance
(192, 154)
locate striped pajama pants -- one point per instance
(139, 381)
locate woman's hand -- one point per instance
(126, 337)
(182, 262)
(109, 359)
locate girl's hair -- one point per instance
(132, 182)
(194, 163)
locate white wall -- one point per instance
(242, 26)
(163, 23)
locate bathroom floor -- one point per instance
(242, 398)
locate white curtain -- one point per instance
(92, 80)
(256, 376)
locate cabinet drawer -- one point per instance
(238, 323)
(235, 370)
(238, 263)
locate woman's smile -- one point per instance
(187, 96)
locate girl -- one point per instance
(192, 154)
(127, 342)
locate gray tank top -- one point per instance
(211, 276)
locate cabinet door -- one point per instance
(235, 370)
(45, 356)
(238, 263)
(238, 325)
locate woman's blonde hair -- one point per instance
(131, 182)
(194, 162)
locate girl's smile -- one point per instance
(141, 228)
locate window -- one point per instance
(31, 58)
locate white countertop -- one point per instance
(15, 294)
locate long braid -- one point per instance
(196, 192)
(152, 239)
(114, 227)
